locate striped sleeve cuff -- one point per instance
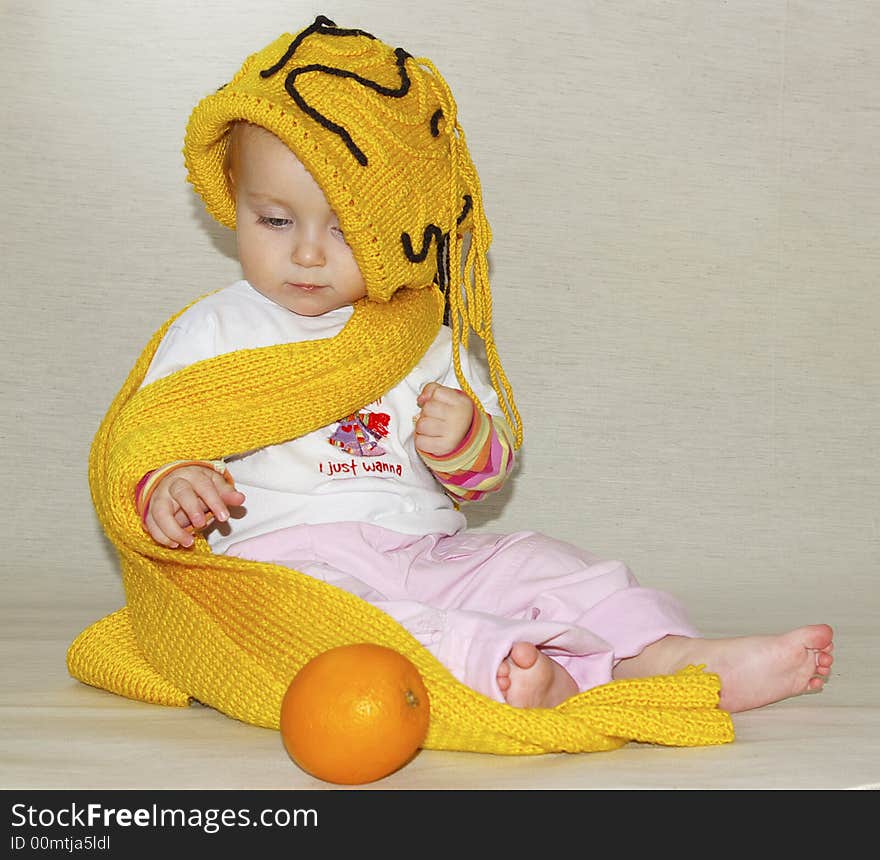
(481, 463)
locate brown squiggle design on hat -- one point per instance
(327, 27)
(433, 233)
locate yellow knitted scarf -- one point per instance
(232, 633)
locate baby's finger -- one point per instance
(163, 527)
(212, 497)
(434, 408)
(232, 497)
(158, 535)
(428, 426)
(445, 394)
(427, 393)
(190, 502)
(435, 446)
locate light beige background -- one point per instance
(685, 198)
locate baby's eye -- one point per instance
(273, 222)
(337, 232)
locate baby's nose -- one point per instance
(307, 250)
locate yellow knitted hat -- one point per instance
(378, 131)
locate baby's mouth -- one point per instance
(306, 288)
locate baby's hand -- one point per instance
(444, 420)
(186, 500)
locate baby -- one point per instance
(347, 182)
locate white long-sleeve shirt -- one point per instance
(363, 469)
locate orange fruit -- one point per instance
(354, 714)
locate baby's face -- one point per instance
(289, 242)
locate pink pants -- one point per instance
(468, 597)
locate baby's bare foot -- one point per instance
(530, 679)
(760, 670)
(754, 670)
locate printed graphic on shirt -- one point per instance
(359, 433)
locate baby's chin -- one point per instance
(306, 300)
